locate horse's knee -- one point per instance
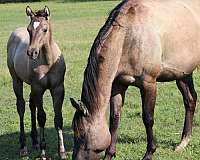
(58, 121)
(148, 119)
(20, 106)
(41, 117)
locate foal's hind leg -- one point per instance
(32, 105)
(58, 97)
(18, 89)
(188, 92)
(116, 103)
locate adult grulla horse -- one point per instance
(35, 58)
(141, 43)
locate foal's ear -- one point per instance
(29, 12)
(79, 106)
(47, 11)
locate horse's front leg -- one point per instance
(58, 97)
(148, 94)
(116, 103)
(18, 89)
(189, 94)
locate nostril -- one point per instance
(35, 53)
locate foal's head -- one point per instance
(39, 30)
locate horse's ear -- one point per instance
(47, 11)
(29, 12)
(79, 106)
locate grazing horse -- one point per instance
(35, 58)
(141, 43)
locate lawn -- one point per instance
(75, 26)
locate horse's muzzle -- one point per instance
(33, 53)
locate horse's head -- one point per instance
(39, 30)
(90, 138)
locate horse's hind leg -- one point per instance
(58, 97)
(116, 103)
(188, 92)
(18, 89)
(32, 106)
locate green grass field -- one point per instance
(75, 26)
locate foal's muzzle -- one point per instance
(33, 53)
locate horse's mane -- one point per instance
(90, 85)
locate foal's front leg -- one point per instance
(18, 89)
(58, 97)
(34, 134)
(37, 94)
(148, 94)
(116, 103)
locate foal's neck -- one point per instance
(52, 53)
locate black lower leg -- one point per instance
(21, 110)
(18, 89)
(34, 134)
(58, 97)
(41, 117)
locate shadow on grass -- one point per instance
(9, 144)
(165, 144)
(131, 140)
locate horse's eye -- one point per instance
(45, 30)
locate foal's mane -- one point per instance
(90, 84)
(41, 13)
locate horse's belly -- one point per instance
(176, 70)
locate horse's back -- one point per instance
(177, 24)
(17, 53)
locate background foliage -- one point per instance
(75, 26)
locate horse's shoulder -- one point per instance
(20, 34)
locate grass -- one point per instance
(75, 26)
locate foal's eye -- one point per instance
(45, 30)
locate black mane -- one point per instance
(90, 85)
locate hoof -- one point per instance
(62, 155)
(36, 146)
(182, 145)
(23, 152)
(180, 148)
(147, 156)
(109, 156)
(43, 158)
